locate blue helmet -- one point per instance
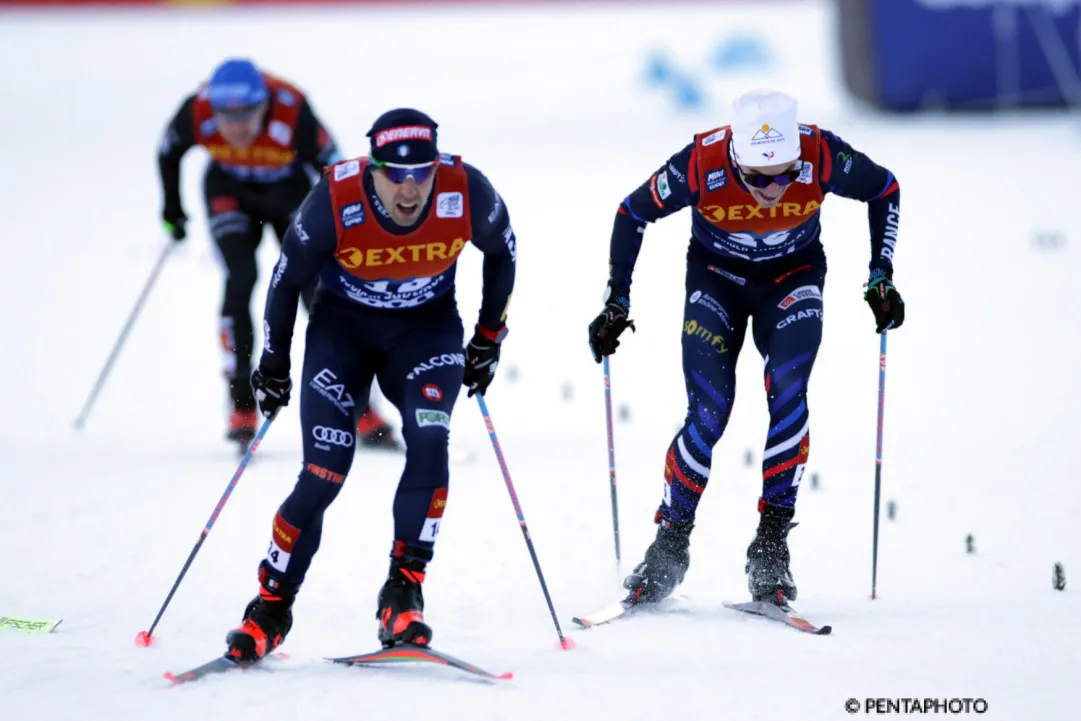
(236, 84)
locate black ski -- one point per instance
(777, 612)
(221, 664)
(407, 652)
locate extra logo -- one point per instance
(717, 214)
(449, 205)
(325, 437)
(806, 292)
(352, 214)
(325, 384)
(432, 392)
(426, 418)
(716, 179)
(353, 258)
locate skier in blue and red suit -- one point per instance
(265, 144)
(755, 189)
(383, 234)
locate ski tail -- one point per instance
(407, 652)
(783, 613)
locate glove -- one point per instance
(481, 359)
(885, 301)
(272, 393)
(174, 221)
(605, 329)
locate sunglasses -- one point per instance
(398, 174)
(761, 180)
(238, 114)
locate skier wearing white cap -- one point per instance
(755, 188)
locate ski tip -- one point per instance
(171, 678)
(143, 639)
(825, 631)
(583, 622)
(508, 676)
(566, 643)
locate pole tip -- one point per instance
(566, 643)
(143, 639)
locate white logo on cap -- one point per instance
(766, 134)
(409, 132)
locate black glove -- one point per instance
(481, 359)
(605, 329)
(885, 301)
(272, 393)
(174, 220)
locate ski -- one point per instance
(407, 652)
(221, 664)
(783, 613)
(27, 625)
(624, 609)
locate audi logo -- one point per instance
(332, 436)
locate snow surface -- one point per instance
(982, 390)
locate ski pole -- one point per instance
(100, 383)
(143, 638)
(611, 459)
(564, 641)
(878, 460)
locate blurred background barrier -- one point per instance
(961, 54)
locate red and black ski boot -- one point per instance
(401, 605)
(242, 425)
(266, 622)
(373, 431)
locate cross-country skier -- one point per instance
(755, 188)
(264, 142)
(383, 234)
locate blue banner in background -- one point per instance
(962, 54)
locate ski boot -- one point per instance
(242, 427)
(374, 432)
(664, 566)
(768, 576)
(401, 605)
(267, 620)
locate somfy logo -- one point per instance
(323, 434)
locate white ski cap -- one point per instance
(764, 128)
